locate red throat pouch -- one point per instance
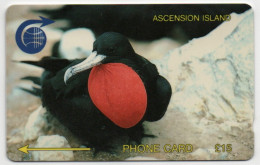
(118, 92)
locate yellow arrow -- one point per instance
(26, 148)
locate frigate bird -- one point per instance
(105, 96)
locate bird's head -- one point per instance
(107, 48)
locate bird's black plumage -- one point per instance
(71, 103)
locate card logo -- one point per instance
(33, 39)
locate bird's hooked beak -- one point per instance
(94, 59)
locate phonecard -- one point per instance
(129, 82)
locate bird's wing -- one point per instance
(147, 67)
(160, 95)
(77, 85)
(158, 89)
(51, 64)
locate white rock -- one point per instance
(76, 43)
(213, 77)
(212, 80)
(155, 49)
(35, 124)
(217, 155)
(53, 141)
(200, 154)
(208, 154)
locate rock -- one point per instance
(217, 156)
(76, 43)
(53, 141)
(208, 154)
(200, 154)
(154, 49)
(15, 139)
(35, 124)
(16, 136)
(212, 77)
(231, 127)
(212, 80)
(141, 158)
